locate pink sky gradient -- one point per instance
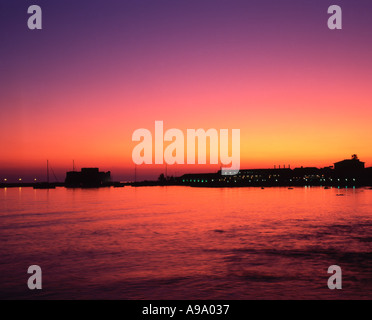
(300, 93)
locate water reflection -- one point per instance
(186, 243)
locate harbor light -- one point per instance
(5, 180)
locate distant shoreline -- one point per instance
(192, 185)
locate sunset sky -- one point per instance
(301, 94)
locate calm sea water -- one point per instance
(186, 243)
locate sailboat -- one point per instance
(45, 185)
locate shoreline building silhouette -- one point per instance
(87, 178)
(349, 167)
(348, 172)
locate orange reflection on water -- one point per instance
(186, 243)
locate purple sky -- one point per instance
(105, 68)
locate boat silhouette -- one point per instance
(45, 185)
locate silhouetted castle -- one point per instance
(87, 178)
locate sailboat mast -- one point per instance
(48, 171)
